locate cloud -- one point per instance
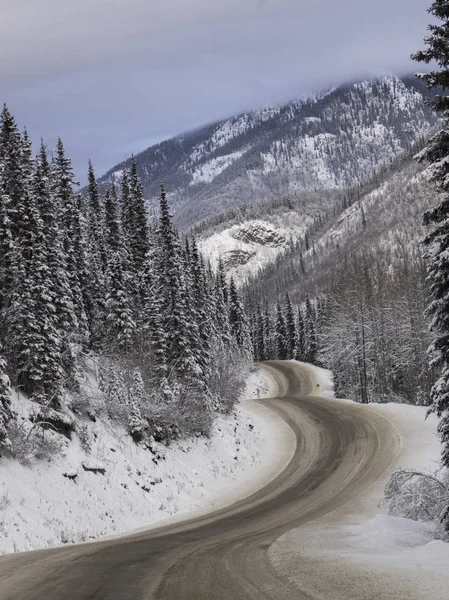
(109, 75)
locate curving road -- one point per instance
(342, 449)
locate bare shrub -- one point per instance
(228, 379)
(30, 442)
(418, 496)
(84, 437)
(80, 403)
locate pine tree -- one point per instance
(290, 325)
(280, 335)
(259, 341)
(310, 329)
(221, 276)
(270, 350)
(33, 343)
(221, 309)
(126, 210)
(96, 256)
(71, 230)
(237, 319)
(11, 195)
(5, 402)
(300, 344)
(137, 394)
(138, 236)
(120, 325)
(437, 148)
(154, 337)
(61, 295)
(437, 241)
(95, 218)
(13, 173)
(201, 308)
(172, 295)
(113, 226)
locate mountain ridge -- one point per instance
(335, 139)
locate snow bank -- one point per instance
(118, 486)
(390, 557)
(260, 384)
(420, 446)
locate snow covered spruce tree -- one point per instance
(137, 394)
(290, 325)
(237, 318)
(281, 334)
(437, 241)
(5, 402)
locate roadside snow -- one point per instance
(386, 558)
(362, 543)
(61, 502)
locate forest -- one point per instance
(87, 278)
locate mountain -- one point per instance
(332, 140)
(314, 227)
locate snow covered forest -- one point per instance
(354, 302)
(86, 280)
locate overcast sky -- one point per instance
(111, 77)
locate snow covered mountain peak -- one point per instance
(329, 140)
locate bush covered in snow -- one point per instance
(420, 497)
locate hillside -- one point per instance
(332, 140)
(381, 219)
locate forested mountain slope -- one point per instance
(333, 140)
(357, 290)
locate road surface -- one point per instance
(342, 449)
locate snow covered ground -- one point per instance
(60, 502)
(377, 553)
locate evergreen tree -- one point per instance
(290, 325)
(310, 328)
(300, 344)
(95, 219)
(221, 276)
(172, 295)
(33, 343)
(53, 252)
(154, 337)
(137, 394)
(237, 319)
(120, 325)
(113, 234)
(138, 235)
(259, 338)
(270, 351)
(96, 256)
(11, 196)
(126, 210)
(71, 228)
(437, 148)
(436, 153)
(14, 170)
(5, 402)
(221, 309)
(280, 335)
(201, 309)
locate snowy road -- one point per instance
(342, 450)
